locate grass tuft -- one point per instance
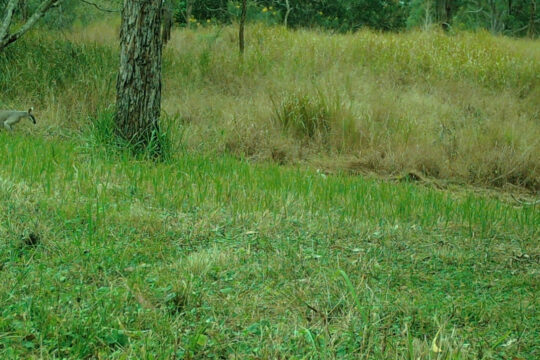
(101, 133)
(304, 116)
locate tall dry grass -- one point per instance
(463, 108)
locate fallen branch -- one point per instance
(525, 203)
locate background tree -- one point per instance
(532, 19)
(287, 13)
(183, 10)
(243, 15)
(445, 12)
(144, 29)
(6, 37)
(508, 17)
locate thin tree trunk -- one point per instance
(286, 19)
(23, 6)
(189, 7)
(5, 37)
(243, 15)
(427, 13)
(138, 101)
(493, 17)
(6, 22)
(448, 7)
(531, 31)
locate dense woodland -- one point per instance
(508, 17)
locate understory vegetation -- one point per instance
(461, 109)
(260, 235)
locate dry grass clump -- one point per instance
(463, 108)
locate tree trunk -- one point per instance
(243, 15)
(444, 13)
(189, 7)
(531, 31)
(6, 38)
(448, 13)
(23, 6)
(286, 19)
(138, 100)
(427, 14)
(493, 17)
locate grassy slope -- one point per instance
(106, 256)
(212, 257)
(461, 108)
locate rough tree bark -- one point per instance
(6, 38)
(138, 101)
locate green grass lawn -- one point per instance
(105, 256)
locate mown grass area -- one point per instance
(105, 256)
(460, 108)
